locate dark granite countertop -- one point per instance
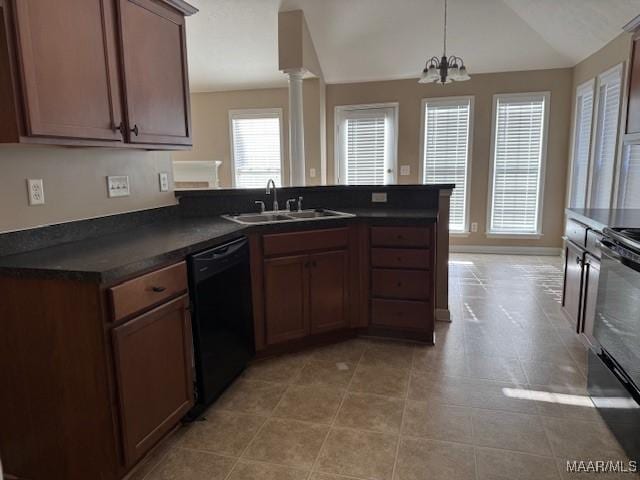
(395, 215)
(111, 258)
(599, 218)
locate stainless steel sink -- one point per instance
(284, 216)
(307, 214)
(259, 218)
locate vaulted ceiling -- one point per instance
(233, 44)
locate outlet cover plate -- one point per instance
(379, 197)
(405, 170)
(164, 181)
(35, 189)
(474, 227)
(312, 173)
(118, 186)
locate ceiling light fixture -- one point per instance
(445, 69)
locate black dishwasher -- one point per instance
(220, 289)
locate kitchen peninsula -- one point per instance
(92, 304)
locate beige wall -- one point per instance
(408, 94)
(75, 184)
(210, 119)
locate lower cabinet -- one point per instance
(306, 283)
(590, 293)
(286, 290)
(572, 295)
(581, 277)
(305, 294)
(153, 358)
(328, 289)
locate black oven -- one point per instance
(614, 366)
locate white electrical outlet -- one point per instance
(36, 191)
(405, 170)
(379, 197)
(312, 172)
(164, 181)
(118, 186)
(474, 227)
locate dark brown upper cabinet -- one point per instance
(633, 113)
(94, 73)
(155, 73)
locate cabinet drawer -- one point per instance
(401, 236)
(402, 284)
(148, 290)
(576, 232)
(401, 258)
(294, 242)
(401, 314)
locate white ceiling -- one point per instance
(233, 44)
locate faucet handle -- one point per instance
(300, 203)
(289, 203)
(260, 204)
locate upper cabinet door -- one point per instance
(633, 116)
(155, 73)
(67, 59)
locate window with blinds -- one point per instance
(581, 145)
(519, 144)
(629, 194)
(606, 137)
(366, 145)
(446, 152)
(256, 147)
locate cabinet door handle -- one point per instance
(158, 289)
(578, 260)
(135, 130)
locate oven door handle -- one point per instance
(607, 249)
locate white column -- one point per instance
(296, 128)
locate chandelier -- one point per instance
(446, 69)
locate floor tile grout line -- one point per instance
(335, 417)
(404, 410)
(266, 420)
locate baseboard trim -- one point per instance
(443, 315)
(506, 250)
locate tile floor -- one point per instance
(501, 396)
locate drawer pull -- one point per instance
(158, 289)
(399, 284)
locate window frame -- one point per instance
(443, 101)
(618, 69)
(249, 113)
(580, 91)
(339, 117)
(543, 164)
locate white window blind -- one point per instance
(518, 163)
(606, 138)
(629, 196)
(446, 152)
(366, 145)
(581, 145)
(257, 147)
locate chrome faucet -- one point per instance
(271, 187)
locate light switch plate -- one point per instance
(164, 181)
(379, 197)
(312, 172)
(118, 186)
(474, 227)
(35, 189)
(405, 170)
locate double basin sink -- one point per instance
(285, 216)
